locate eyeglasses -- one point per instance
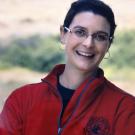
(82, 34)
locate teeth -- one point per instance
(85, 54)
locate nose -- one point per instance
(88, 42)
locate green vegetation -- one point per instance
(42, 53)
(123, 50)
(122, 56)
(36, 53)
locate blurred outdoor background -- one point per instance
(29, 43)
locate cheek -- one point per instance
(70, 44)
(102, 49)
(68, 49)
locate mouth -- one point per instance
(85, 54)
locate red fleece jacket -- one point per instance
(96, 108)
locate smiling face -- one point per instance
(85, 55)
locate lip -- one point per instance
(85, 54)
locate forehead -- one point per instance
(91, 21)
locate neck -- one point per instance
(72, 78)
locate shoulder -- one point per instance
(28, 89)
(123, 105)
(120, 96)
(28, 94)
(115, 89)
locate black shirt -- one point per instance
(66, 95)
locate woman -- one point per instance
(75, 98)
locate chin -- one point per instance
(86, 68)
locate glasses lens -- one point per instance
(80, 33)
(101, 37)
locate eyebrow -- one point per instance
(80, 27)
(102, 32)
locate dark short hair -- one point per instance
(95, 6)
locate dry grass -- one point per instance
(25, 17)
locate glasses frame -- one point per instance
(92, 35)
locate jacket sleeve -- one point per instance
(11, 117)
(125, 119)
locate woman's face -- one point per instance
(83, 51)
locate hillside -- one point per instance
(25, 17)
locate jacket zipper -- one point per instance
(59, 120)
(59, 131)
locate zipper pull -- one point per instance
(59, 131)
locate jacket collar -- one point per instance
(84, 95)
(52, 77)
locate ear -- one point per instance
(62, 35)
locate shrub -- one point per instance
(42, 53)
(37, 53)
(122, 51)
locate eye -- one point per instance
(80, 33)
(101, 37)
